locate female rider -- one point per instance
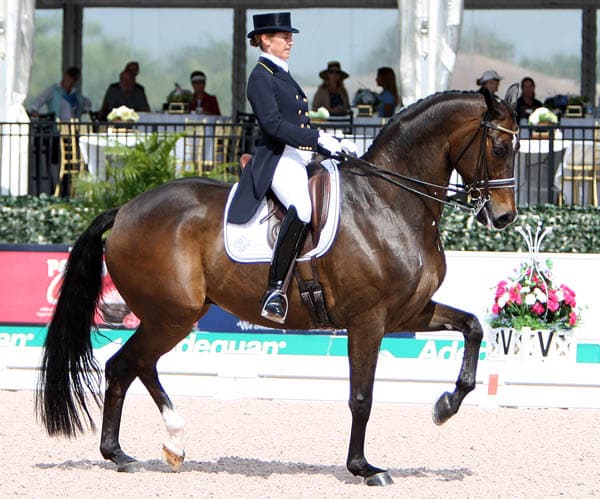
(285, 147)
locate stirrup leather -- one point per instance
(275, 300)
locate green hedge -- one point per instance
(48, 220)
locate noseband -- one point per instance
(478, 190)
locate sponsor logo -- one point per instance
(440, 350)
(195, 343)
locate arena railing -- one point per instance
(555, 164)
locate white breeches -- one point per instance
(290, 181)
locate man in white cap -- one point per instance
(490, 79)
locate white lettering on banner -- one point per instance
(15, 339)
(451, 352)
(203, 345)
(55, 266)
(55, 270)
(448, 352)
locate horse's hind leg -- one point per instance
(173, 450)
(138, 358)
(445, 317)
(120, 371)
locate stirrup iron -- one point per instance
(270, 312)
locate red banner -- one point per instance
(30, 285)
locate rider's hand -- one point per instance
(330, 143)
(349, 147)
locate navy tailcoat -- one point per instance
(281, 109)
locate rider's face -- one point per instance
(279, 45)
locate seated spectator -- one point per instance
(134, 68)
(62, 99)
(202, 102)
(388, 98)
(332, 93)
(490, 79)
(527, 103)
(124, 93)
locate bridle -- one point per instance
(478, 190)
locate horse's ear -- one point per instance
(490, 101)
(511, 96)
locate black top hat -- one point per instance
(273, 22)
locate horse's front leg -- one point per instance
(442, 318)
(363, 349)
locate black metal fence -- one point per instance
(556, 164)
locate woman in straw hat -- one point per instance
(285, 147)
(332, 93)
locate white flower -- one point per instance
(503, 300)
(123, 113)
(560, 295)
(530, 299)
(540, 295)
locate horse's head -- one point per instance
(483, 153)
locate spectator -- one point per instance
(202, 102)
(388, 98)
(527, 103)
(62, 99)
(332, 94)
(490, 79)
(124, 93)
(134, 68)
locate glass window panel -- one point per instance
(543, 44)
(168, 43)
(360, 39)
(46, 69)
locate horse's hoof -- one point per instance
(442, 410)
(173, 459)
(130, 467)
(379, 479)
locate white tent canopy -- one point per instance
(16, 54)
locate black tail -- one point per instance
(68, 365)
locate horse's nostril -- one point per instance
(506, 219)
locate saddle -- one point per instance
(319, 188)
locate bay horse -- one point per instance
(166, 256)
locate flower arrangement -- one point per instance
(364, 96)
(320, 114)
(530, 298)
(179, 95)
(123, 113)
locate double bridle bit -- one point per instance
(478, 190)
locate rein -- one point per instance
(481, 186)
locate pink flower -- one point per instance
(515, 295)
(537, 308)
(572, 318)
(553, 305)
(569, 295)
(496, 309)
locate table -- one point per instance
(535, 168)
(93, 148)
(187, 148)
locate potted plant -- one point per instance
(531, 316)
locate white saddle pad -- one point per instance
(248, 243)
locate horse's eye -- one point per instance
(500, 149)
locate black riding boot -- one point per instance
(289, 243)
